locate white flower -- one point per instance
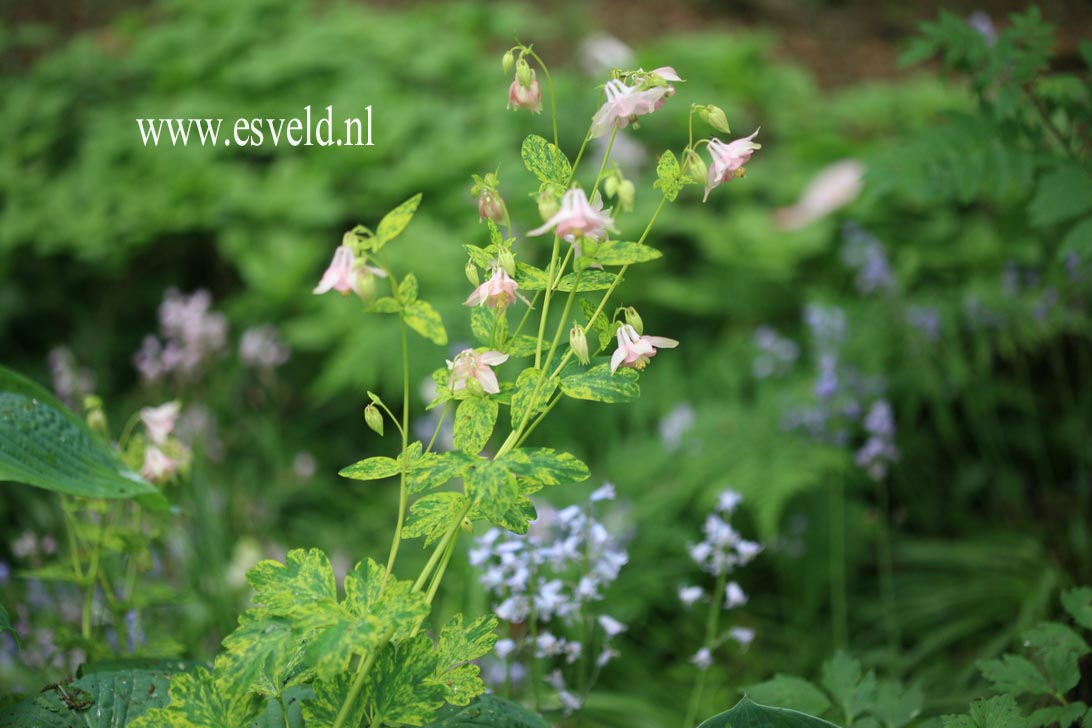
(742, 635)
(504, 648)
(734, 596)
(160, 421)
(728, 500)
(703, 658)
(611, 625)
(689, 595)
(604, 492)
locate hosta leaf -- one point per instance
(545, 466)
(435, 469)
(44, 444)
(999, 712)
(487, 711)
(407, 289)
(749, 714)
(375, 468)
(787, 691)
(669, 178)
(618, 252)
(97, 700)
(492, 490)
(599, 385)
(1014, 674)
(1078, 602)
(431, 515)
(198, 701)
(590, 280)
(424, 319)
(475, 419)
(395, 221)
(545, 161)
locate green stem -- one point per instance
(526, 315)
(403, 494)
(711, 621)
(358, 683)
(440, 424)
(550, 88)
(603, 164)
(546, 302)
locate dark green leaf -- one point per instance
(44, 444)
(787, 691)
(487, 711)
(1078, 602)
(749, 714)
(1061, 195)
(999, 712)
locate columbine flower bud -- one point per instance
(610, 185)
(524, 73)
(548, 206)
(366, 286)
(507, 261)
(507, 61)
(715, 117)
(472, 274)
(627, 193)
(374, 419)
(491, 206)
(694, 167)
(96, 417)
(634, 319)
(579, 343)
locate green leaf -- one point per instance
(325, 704)
(531, 278)
(459, 645)
(515, 515)
(1061, 715)
(97, 700)
(475, 419)
(262, 655)
(599, 385)
(999, 712)
(483, 319)
(435, 469)
(852, 692)
(1014, 674)
(522, 345)
(402, 688)
(749, 714)
(1058, 649)
(1061, 195)
(487, 711)
(545, 466)
(375, 468)
(522, 396)
(44, 444)
(384, 305)
(1078, 602)
(407, 289)
(669, 178)
(590, 280)
(896, 706)
(618, 252)
(395, 221)
(492, 490)
(1078, 240)
(791, 692)
(198, 701)
(303, 581)
(545, 161)
(397, 610)
(423, 318)
(481, 257)
(431, 515)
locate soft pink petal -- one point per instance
(493, 358)
(661, 342)
(488, 380)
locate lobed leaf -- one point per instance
(424, 319)
(788, 691)
(545, 161)
(669, 179)
(395, 221)
(475, 419)
(375, 468)
(431, 515)
(749, 714)
(599, 385)
(545, 466)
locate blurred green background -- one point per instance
(977, 334)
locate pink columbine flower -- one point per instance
(157, 466)
(667, 73)
(472, 364)
(525, 97)
(624, 104)
(577, 217)
(159, 421)
(497, 292)
(728, 160)
(634, 350)
(345, 273)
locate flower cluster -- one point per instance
(879, 450)
(262, 348)
(164, 455)
(552, 575)
(646, 92)
(865, 254)
(776, 353)
(71, 382)
(192, 334)
(720, 553)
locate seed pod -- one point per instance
(374, 419)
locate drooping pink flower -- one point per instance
(634, 350)
(157, 466)
(159, 421)
(667, 73)
(525, 97)
(497, 292)
(728, 160)
(345, 273)
(577, 217)
(470, 364)
(491, 206)
(624, 104)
